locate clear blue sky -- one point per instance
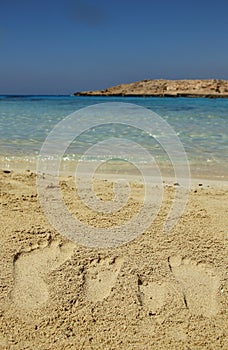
(59, 47)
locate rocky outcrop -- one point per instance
(211, 88)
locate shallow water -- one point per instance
(201, 124)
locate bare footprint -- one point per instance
(101, 277)
(199, 286)
(3, 342)
(30, 290)
(155, 296)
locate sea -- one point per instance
(201, 125)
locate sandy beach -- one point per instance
(113, 175)
(159, 291)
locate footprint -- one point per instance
(199, 286)
(3, 341)
(30, 290)
(155, 296)
(101, 277)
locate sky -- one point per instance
(64, 46)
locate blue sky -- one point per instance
(59, 47)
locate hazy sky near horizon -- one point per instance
(59, 47)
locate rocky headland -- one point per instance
(211, 88)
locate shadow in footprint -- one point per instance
(199, 286)
(30, 290)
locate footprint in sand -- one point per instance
(101, 278)
(199, 285)
(155, 296)
(30, 290)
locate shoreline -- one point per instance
(178, 95)
(85, 94)
(194, 182)
(208, 172)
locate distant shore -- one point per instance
(211, 88)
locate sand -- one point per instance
(160, 291)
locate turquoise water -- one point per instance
(201, 124)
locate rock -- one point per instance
(211, 88)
